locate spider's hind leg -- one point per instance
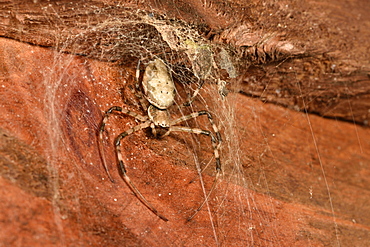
(196, 92)
(137, 92)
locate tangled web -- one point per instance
(195, 63)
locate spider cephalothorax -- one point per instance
(159, 90)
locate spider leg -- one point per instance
(197, 114)
(123, 170)
(196, 92)
(137, 92)
(216, 154)
(112, 110)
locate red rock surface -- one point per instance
(290, 179)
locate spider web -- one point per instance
(192, 60)
(119, 42)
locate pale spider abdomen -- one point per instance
(158, 86)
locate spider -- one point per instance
(159, 90)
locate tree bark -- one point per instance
(290, 178)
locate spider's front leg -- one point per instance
(123, 171)
(216, 155)
(210, 119)
(216, 143)
(110, 111)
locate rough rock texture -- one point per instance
(289, 178)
